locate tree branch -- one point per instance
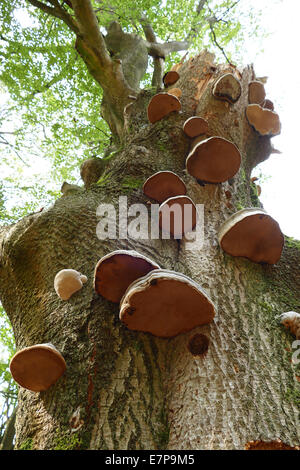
(148, 30)
(212, 20)
(9, 433)
(58, 12)
(159, 51)
(213, 34)
(90, 45)
(162, 50)
(158, 62)
(89, 29)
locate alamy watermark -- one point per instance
(144, 222)
(296, 354)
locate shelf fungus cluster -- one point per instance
(37, 367)
(115, 271)
(158, 301)
(264, 121)
(253, 234)
(260, 111)
(164, 103)
(177, 212)
(153, 300)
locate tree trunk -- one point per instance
(129, 390)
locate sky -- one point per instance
(279, 62)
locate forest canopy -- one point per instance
(50, 117)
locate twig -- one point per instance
(216, 42)
(5, 142)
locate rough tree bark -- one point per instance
(129, 390)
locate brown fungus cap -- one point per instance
(268, 104)
(253, 234)
(165, 303)
(256, 93)
(264, 121)
(162, 105)
(214, 160)
(177, 216)
(227, 88)
(115, 271)
(269, 445)
(170, 78)
(195, 126)
(162, 185)
(37, 367)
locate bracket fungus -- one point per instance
(115, 271)
(214, 160)
(67, 282)
(165, 304)
(253, 234)
(256, 92)
(162, 185)
(37, 367)
(227, 88)
(170, 78)
(195, 126)
(177, 216)
(269, 445)
(268, 104)
(162, 105)
(291, 320)
(264, 121)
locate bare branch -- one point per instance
(159, 51)
(158, 62)
(231, 7)
(158, 72)
(162, 50)
(213, 34)
(148, 30)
